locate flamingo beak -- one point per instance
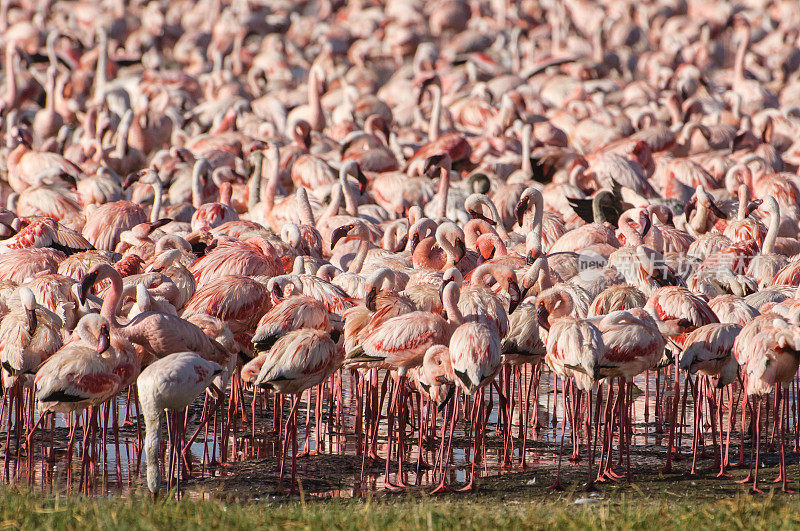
(277, 292)
(520, 209)
(461, 249)
(414, 242)
(647, 225)
(479, 215)
(451, 390)
(339, 233)
(441, 289)
(690, 206)
(542, 316)
(370, 299)
(432, 161)
(159, 223)
(717, 212)
(515, 296)
(85, 286)
(30, 313)
(104, 341)
(401, 244)
(754, 205)
(362, 180)
(130, 179)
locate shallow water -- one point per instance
(222, 448)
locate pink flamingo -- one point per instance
(298, 361)
(157, 334)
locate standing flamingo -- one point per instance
(172, 382)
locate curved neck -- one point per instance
(501, 230)
(121, 147)
(158, 189)
(50, 91)
(101, 78)
(360, 257)
(772, 231)
(744, 198)
(450, 303)
(112, 301)
(436, 113)
(350, 202)
(448, 248)
(225, 193)
(479, 275)
(597, 210)
(379, 279)
(335, 204)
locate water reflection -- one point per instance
(106, 459)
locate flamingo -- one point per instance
(769, 356)
(709, 351)
(29, 334)
(298, 361)
(172, 382)
(157, 334)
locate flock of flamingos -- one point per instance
(404, 215)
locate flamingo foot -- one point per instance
(723, 474)
(556, 486)
(747, 479)
(469, 487)
(392, 487)
(441, 488)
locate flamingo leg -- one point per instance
(557, 484)
(480, 427)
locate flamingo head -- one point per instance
(23, 136)
(341, 232)
(521, 207)
(136, 176)
(29, 303)
(86, 284)
(440, 160)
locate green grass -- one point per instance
(24, 509)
